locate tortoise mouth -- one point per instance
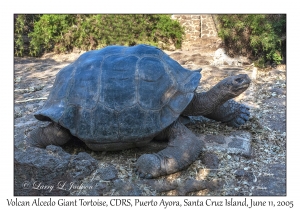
(243, 86)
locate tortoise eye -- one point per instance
(239, 80)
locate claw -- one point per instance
(245, 116)
(240, 121)
(142, 175)
(244, 109)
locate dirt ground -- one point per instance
(263, 173)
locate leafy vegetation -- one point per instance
(261, 37)
(23, 26)
(63, 33)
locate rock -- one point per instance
(221, 58)
(108, 173)
(238, 143)
(49, 171)
(219, 139)
(211, 160)
(272, 183)
(82, 165)
(35, 170)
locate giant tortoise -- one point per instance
(121, 97)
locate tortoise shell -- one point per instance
(119, 94)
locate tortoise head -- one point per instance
(234, 85)
(205, 102)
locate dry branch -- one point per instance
(31, 99)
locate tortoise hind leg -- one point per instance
(52, 134)
(232, 113)
(183, 148)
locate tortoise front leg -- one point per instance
(231, 112)
(183, 149)
(51, 134)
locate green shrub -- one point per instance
(23, 26)
(48, 32)
(261, 37)
(62, 33)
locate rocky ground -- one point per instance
(250, 160)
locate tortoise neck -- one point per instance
(205, 102)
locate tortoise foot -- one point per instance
(183, 149)
(232, 113)
(241, 117)
(148, 166)
(153, 165)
